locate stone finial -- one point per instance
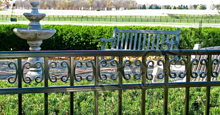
(34, 7)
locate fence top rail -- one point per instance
(72, 53)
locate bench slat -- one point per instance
(168, 38)
(122, 40)
(148, 42)
(172, 40)
(158, 40)
(153, 42)
(162, 42)
(139, 44)
(117, 47)
(126, 43)
(144, 41)
(131, 38)
(135, 42)
(114, 36)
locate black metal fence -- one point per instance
(117, 19)
(120, 64)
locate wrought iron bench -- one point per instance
(142, 40)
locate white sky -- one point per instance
(177, 2)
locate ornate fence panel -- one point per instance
(143, 63)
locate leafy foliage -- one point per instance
(72, 37)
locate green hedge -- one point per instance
(71, 37)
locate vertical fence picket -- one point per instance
(46, 85)
(71, 84)
(208, 80)
(120, 82)
(187, 88)
(19, 86)
(96, 83)
(166, 70)
(144, 71)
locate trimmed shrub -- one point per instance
(72, 37)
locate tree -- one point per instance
(195, 6)
(90, 3)
(179, 7)
(151, 6)
(143, 7)
(174, 7)
(186, 7)
(202, 7)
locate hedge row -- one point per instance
(71, 37)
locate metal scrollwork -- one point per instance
(172, 62)
(126, 63)
(150, 63)
(160, 75)
(214, 62)
(26, 65)
(103, 63)
(39, 65)
(13, 65)
(194, 62)
(114, 63)
(139, 64)
(65, 64)
(90, 64)
(78, 64)
(53, 65)
(182, 62)
(203, 62)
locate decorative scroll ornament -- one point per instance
(203, 74)
(172, 62)
(182, 62)
(90, 64)
(64, 64)
(150, 63)
(13, 65)
(160, 75)
(39, 65)
(78, 64)
(138, 64)
(52, 64)
(214, 63)
(114, 63)
(126, 63)
(194, 62)
(26, 65)
(103, 63)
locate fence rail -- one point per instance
(118, 19)
(120, 64)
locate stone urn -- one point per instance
(34, 35)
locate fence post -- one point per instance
(208, 80)
(166, 73)
(144, 71)
(187, 88)
(71, 84)
(96, 83)
(19, 86)
(120, 82)
(46, 85)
